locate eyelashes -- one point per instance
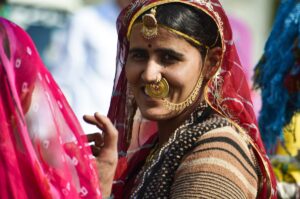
(138, 56)
(169, 59)
(162, 58)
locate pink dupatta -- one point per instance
(42, 151)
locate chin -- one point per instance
(157, 113)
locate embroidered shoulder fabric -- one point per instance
(166, 160)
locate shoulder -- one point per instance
(222, 165)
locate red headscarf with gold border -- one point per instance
(227, 92)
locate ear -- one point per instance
(213, 60)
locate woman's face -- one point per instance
(166, 56)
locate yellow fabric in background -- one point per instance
(291, 138)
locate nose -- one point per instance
(152, 72)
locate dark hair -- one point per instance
(191, 21)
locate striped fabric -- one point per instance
(222, 166)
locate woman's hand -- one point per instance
(105, 150)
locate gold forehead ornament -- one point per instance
(150, 29)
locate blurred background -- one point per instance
(77, 41)
(41, 17)
(80, 35)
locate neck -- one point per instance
(167, 127)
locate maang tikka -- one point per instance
(150, 29)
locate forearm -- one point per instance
(106, 172)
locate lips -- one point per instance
(148, 99)
(143, 90)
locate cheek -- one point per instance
(132, 73)
(184, 77)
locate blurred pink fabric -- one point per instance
(42, 146)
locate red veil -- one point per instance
(227, 92)
(42, 152)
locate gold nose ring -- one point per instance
(159, 89)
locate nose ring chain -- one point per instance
(160, 89)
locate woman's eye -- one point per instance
(138, 56)
(168, 59)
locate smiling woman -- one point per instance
(182, 108)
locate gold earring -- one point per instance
(159, 89)
(149, 29)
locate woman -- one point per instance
(42, 151)
(178, 69)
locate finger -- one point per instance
(90, 119)
(110, 132)
(97, 138)
(92, 137)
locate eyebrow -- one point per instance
(134, 50)
(159, 50)
(169, 51)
